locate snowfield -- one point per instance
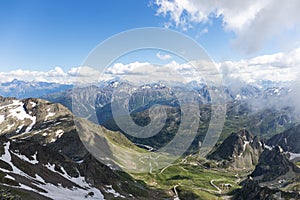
(84, 191)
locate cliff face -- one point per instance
(273, 164)
(252, 190)
(288, 140)
(274, 177)
(239, 150)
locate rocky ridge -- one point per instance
(43, 156)
(240, 150)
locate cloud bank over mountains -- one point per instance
(279, 67)
(56, 75)
(253, 22)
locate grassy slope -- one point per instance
(191, 178)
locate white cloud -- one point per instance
(205, 30)
(121, 69)
(253, 22)
(277, 67)
(83, 72)
(56, 72)
(283, 66)
(56, 75)
(163, 56)
(274, 67)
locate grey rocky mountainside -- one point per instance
(288, 140)
(273, 164)
(239, 150)
(252, 190)
(42, 156)
(275, 176)
(274, 172)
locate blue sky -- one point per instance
(41, 35)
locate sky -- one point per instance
(50, 39)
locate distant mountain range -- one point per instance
(255, 95)
(33, 89)
(261, 110)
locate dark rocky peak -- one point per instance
(239, 150)
(274, 177)
(272, 164)
(235, 144)
(288, 140)
(252, 190)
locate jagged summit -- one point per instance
(272, 164)
(288, 140)
(252, 190)
(239, 150)
(274, 177)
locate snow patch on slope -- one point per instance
(33, 104)
(59, 133)
(52, 191)
(6, 157)
(50, 114)
(111, 190)
(20, 128)
(23, 157)
(9, 177)
(293, 155)
(2, 118)
(77, 192)
(17, 111)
